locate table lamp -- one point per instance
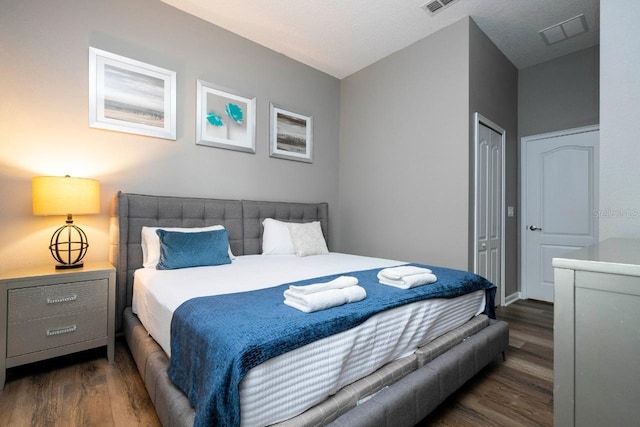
(57, 195)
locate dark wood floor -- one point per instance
(517, 392)
(84, 390)
(78, 390)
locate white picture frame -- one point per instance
(291, 135)
(127, 95)
(225, 118)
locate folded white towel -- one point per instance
(408, 282)
(324, 299)
(396, 273)
(338, 283)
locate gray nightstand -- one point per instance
(46, 313)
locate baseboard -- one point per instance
(512, 298)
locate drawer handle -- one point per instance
(59, 331)
(58, 300)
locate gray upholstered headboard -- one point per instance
(242, 219)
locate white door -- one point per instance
(560, 202)
(489, 203)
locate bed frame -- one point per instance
(399, 394)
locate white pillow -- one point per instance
(151, 242)
(276, 238)
(308, 238)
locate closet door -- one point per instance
(489, 206)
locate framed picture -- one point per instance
(126, 95)
(291, 135)
(225, 119)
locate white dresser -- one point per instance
(597, 335)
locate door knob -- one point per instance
(535, 228)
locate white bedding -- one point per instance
(288, 384)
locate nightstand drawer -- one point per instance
(42, 334)
(57, 300)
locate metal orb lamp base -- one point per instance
(69, 245)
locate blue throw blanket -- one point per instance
(215, 340)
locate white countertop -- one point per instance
(617, 256)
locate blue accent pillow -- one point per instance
(182, 250)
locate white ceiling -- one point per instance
(341, 37)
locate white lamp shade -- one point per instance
(57, 195)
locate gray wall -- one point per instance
(404, 153)
(619, 119)
(405, 185)
(493, 92)
(559, 94)
(44, 116)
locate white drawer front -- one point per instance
(42, 334)
(57, 300)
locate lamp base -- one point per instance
(69, 266)
(68, 245)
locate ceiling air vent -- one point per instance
(565, 30)
(436, 6)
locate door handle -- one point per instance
(535, 228)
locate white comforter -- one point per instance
(289, 384)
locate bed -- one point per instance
(400, 392)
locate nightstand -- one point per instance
(46, 313)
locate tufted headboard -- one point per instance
(242, 219)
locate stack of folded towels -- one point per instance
(320, 296)
(406, 276)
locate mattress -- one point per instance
(288, 384)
